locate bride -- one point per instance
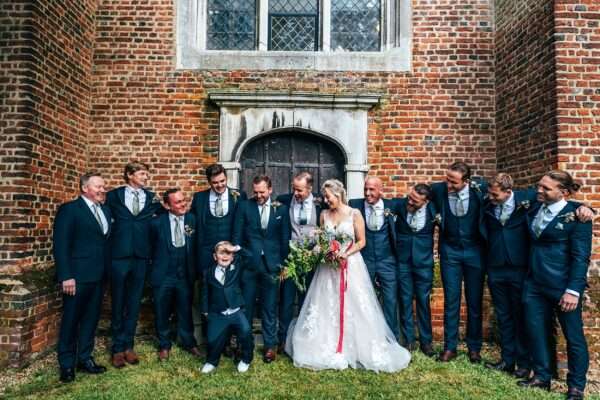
(317, 340)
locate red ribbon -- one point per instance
(343, 287)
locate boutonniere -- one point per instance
(188, 230)
(275, 204)
(388, 213)
(235, 194)
(437, 219)
(568, 217)
(231, 267)
(525, 204)
(560, 226)
(317, 201)
(155, 199)
(475, 186)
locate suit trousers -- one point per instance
(457, 265)
(261, 281)
(415, 283)
(127, 277)
(220, 328)
(541, 304)
(178, 293)
(78, 324)
(384, 277)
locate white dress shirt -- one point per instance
(212, 199)
(379, 212)
(420, 216)
(129, 197)
(91, 206)
(463, 196)
(220, 272)
(308, 202)
(181, 219)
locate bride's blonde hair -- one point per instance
(336, 188)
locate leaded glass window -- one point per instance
(231, 25)
(355, 25)
(293, 25)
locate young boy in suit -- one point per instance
(223, 304)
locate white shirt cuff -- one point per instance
(574, 293)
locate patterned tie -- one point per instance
(303, 219)
(219, 206)
(372, 218)
(504, 215)
(177, 236)
(135, 205)
(97, 215)
(539, 220)
(460, 207)
(264, 217)
(413, 222)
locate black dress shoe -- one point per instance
(574, 394)
(67, 375)
(427, 349)
(474, 357)
(412, 346)
(501, 366)
(91, 367)
(534, 383)
(522, 373)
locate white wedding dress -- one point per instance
(368, 342)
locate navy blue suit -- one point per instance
(81, 252)
(211, 229)
(379, 255)
(461, 258)
(506, 261)
(172, 274)
(130, 252)
(217, 299)
(558, 260)
(288, 290)
(264, 252)
(415, 272)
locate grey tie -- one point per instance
(372, 219)
(135, 204)
(504, 215)
(221, 278)
(460, 207)
(539, 220)
(177, 236)
(413, 222)
(264, 217)
(303, 219)
(219, 206)
(97, 215)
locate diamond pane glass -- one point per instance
(355, 25)
(294, 6)
(293, 33)
(231, 25)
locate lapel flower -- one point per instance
(525, 204)
(437, 220)
(275, 204)
(231, 267)
(155, 199)
(188, 230)
(235, 194)
(475, 186)
(388, 213)
(317, 200)
(568, 217)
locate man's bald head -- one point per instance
(373, 189)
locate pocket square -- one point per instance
(560, 226)
(278, 217)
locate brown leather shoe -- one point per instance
(195, 351)
(118, 360)
(163, 355)
(447, 355)
(474, 357)
(270, 356)
(131, 357)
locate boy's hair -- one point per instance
(222, 244)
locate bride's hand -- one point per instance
(342, 256)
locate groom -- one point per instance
(380, 250)
(262, 230)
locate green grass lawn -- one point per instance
(179, 378)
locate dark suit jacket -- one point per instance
(559, 258)
(509, 244)
(414, 247)
(389, 204)
(160, 239)
(200, 204)
(286, 199)
(273, 242)
(81, 250)
(440, 195)
(131, 234)
(216, 297)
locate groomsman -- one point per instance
(380, 251)
(81, 256)
(214, 209)
(558, 262)
(415, 225)
(262, 229)
(462, 235)
(132, 207)
(305, 210)
(173, 272)
(506, 260)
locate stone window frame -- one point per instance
(395, 53)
